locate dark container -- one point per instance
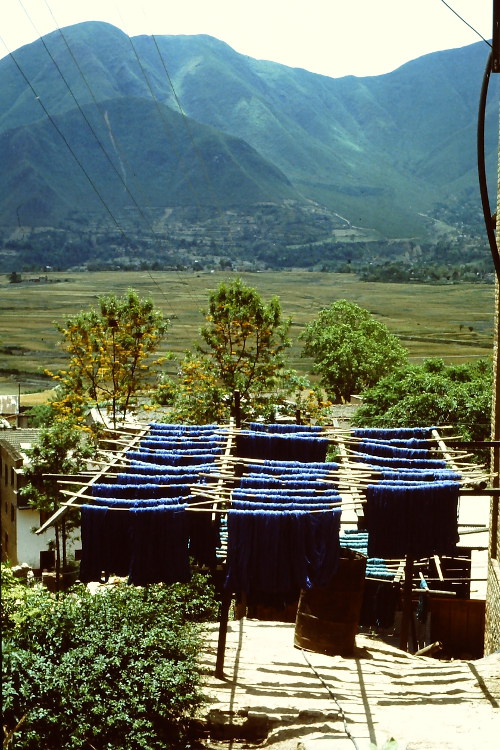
(328, 617)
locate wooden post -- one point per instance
(237, 408)
(221, 644)
(407, 604)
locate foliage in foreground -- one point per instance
(111, 670)
(432, 394)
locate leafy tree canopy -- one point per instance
(244, 337)
(432, 394)
(351, 350)
(110, 351)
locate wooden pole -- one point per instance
(407, 603)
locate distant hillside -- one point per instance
(97, 129)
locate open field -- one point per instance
(452, 322)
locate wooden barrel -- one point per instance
(328, 617)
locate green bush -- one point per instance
(432, 394)
(112, 670)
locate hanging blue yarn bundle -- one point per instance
(106, 543)
(393, 433)
(291, 473)
(139, 491)
(284, 428)
(204, 537)
(159, 470)
(302, 465)
(392, 451)
(263, 482)
(112, 502)
(280, 496)
(285, 479)
(204, 446)
(159, 545)
(168, 479)
(281, 447)
(172, 459)
(183, 429)
(420, 475)
(195, 451)
(399, 463)
(419, 520)
(401, 443)
(281, 551)
(256, 504)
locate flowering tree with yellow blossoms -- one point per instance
(110, 353)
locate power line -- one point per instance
(466, 22)
(84, 78)
(65, 140)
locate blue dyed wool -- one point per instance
(106, 543)
(159, 545)
(398, 433)
(263, 482)
(284, 428)
(281, 447)
(302, 465)
(139, 491)
(278, 551)
(419, 520)
(399, 463)
(391, 451)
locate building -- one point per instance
(18, 542)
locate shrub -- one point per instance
(112, 670)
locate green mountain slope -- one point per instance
(186, 120)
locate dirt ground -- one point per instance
(279, 697)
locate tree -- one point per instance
(110, 351)
(432, 394)
(62, 448)
(244, 343)
(351, 350)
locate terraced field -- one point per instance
(454, 322)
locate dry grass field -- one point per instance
(453, 322)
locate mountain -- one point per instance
(100, 128)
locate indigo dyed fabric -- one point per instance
(141, 491)
(105, 539)
(263, 482)
(281, 447)
(281, 551)
(169, 458)
(392, 451)
(420, 475)
(167, 479)
(302, 465)
(419, 520)
(399, 463)
(284, 428)
(393, 433)
(110, 502)
(137, 467)
(159, 544)
(290, 472)
(380, 601)
(204, 536)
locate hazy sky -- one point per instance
(333, 37)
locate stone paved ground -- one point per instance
(277, 696)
